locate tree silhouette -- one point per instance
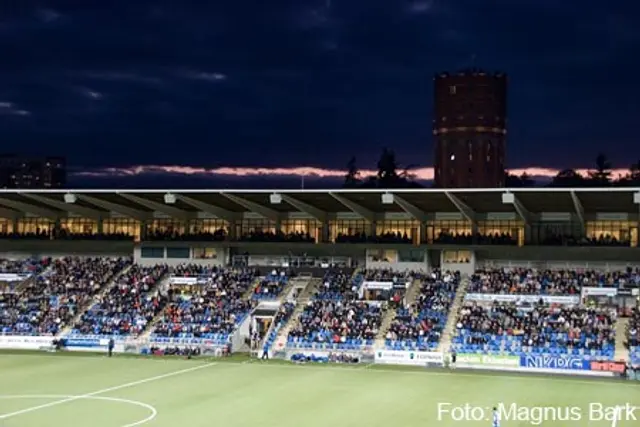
(518, 181)
(568, 178)
(601, 175)
(387, 175)
(352, 178)
(388, 169)
(632, 178)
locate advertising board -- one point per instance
(487, 360)
(410, 358)
(607, 366)
(19, 342)
(576, 363)
(549, 299)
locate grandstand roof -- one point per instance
(229, 204)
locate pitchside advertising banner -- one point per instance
(576, 363)
(18, 342)
(487, 360)
(410, 358)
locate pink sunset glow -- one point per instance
(422, 174)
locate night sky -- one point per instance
(129, 85)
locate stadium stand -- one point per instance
(208, 310)
(282, 317)
(128, 307)
(634, 337)
(271, 286)
(50, 303)
(337, 285)
(335, 318)
(419, 325)
(516, 328)
(545, 282)
(337, 324)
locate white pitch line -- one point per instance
(105, 390)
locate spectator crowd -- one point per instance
(45, 306)
(418, 325)
(525, 281)
(538, 328)
(128, 306)
(210, 309)
(271, 286)
(351, 323)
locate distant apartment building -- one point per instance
(32, 172)
(470, 129)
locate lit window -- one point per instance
(452, 90)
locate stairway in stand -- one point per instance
(622, 352)
(160, 284)
(249, 292)
(81, 310)
(410, 297)
(449, 330)
(302, 300)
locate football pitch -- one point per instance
(67, 390)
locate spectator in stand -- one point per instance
(541, 328)
(271, 286)
(389, 237)
(633, 337)
(277, 236)
(556, 239)
(61, 233)
(446, 237)
(337, 322)
(128, 307)
(544, 282)
(171, 234)
(419, 326)
(338, 285)
(47, 305)
(210, 309)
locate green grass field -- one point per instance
(67, 390)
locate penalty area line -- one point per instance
(105, 390)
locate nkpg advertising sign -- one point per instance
(575, 363)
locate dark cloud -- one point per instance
(284, 82)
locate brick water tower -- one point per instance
(470, 129)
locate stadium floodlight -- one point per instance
(275, 199)
(387, 198)
(636, 198)
(170, 199)
(70, 198)
(508, 198)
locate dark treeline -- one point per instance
(391, 175)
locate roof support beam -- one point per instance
(208, 208)
(523, 213)
(316, 213)
(29, 208)
(71, 207)
(579, 208)
(10, 214)
(115, 207)
(354, 207)
(268, 213)
(158, 207)
(464, 209)
(417, 213)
